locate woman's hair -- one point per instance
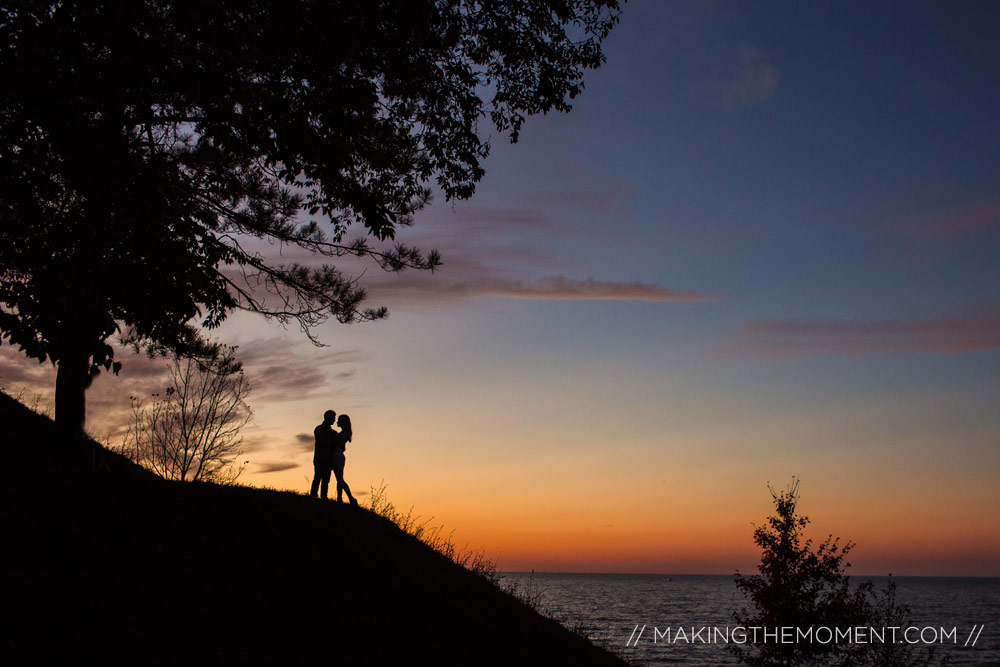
(344, 422)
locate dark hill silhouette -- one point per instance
(118, 566)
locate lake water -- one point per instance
(950, 612)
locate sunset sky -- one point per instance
(764, 244)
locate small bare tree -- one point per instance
(192, 432)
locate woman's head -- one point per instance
(344, 422)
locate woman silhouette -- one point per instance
(340, 444)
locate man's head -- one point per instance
(329, 417)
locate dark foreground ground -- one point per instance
(107, 563)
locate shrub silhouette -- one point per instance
(885, 611)
(803, 588)
(798, 587)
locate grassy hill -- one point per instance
(107, 562)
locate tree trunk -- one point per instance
(72, 379)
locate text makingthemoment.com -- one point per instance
(793, 635)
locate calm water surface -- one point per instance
(609, 607)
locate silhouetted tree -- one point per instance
(153, 150)
(798, 587)
(192, 431)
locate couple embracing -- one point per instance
(329, 456)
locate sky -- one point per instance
(765, 244)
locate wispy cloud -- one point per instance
(553, 287)
(275, 466)
(519, 249)
(278, 372)
(954, 223)
(942, 335)
(108, 404)
(138, 370)
(303, 442)
(16, 370)
(750, 80)
(254, 440)
(937, 236)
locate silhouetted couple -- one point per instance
(329, 456)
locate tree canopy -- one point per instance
(150, 149)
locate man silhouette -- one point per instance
(323, 456)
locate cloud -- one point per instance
(304, 442)
(275, 466)
(750, 81)
(517, 252)
(108, 405)
(956, 223)
(515, 248)
(555, 287)
(26, 374)
(254, 440)
(945, 335)
(278, 373)
(937, 237)
(139, 373)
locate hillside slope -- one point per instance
(121, 567)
